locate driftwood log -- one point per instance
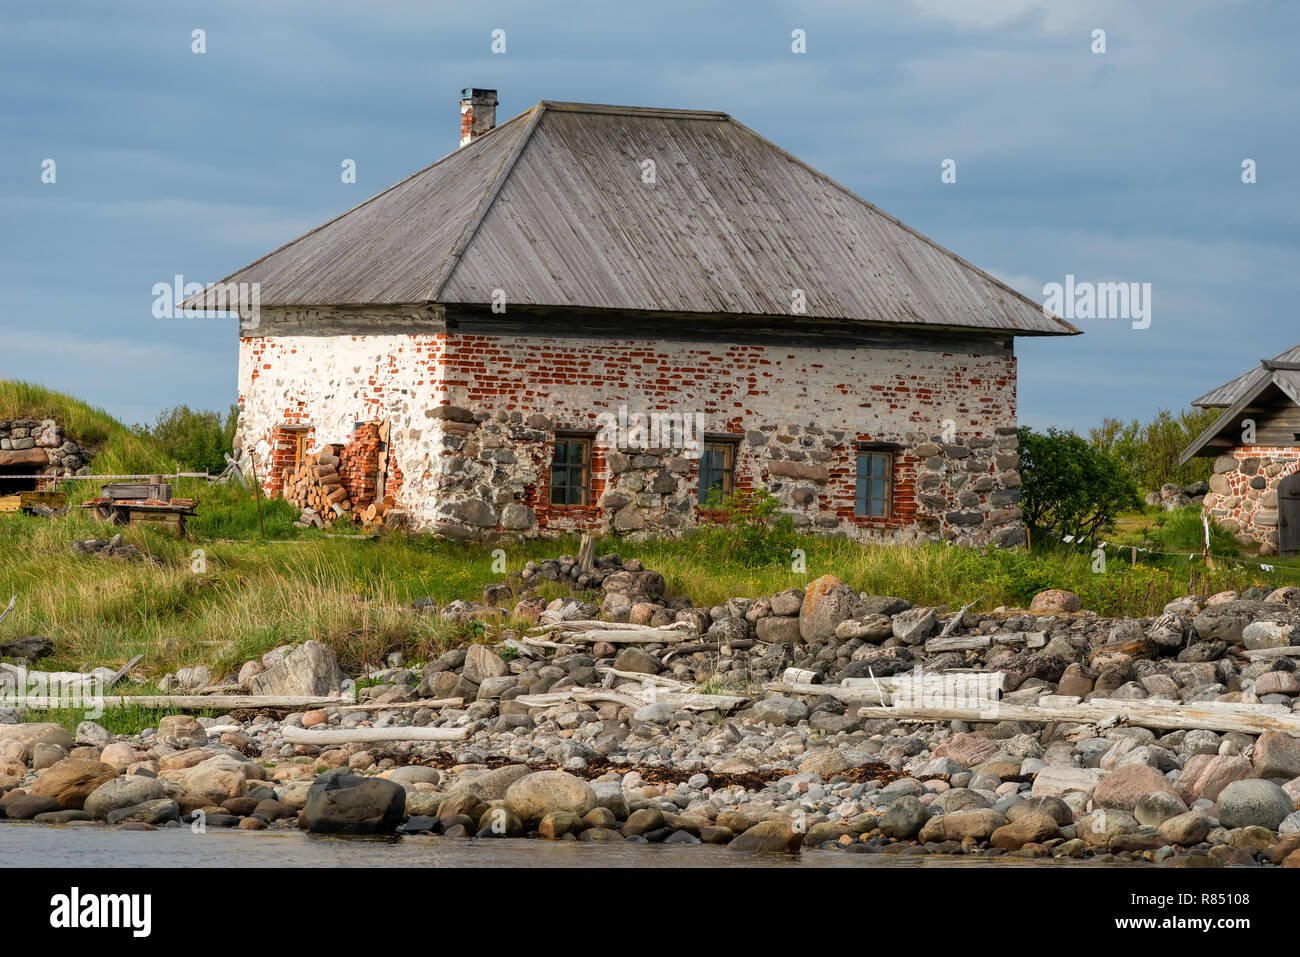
(977, 688)
(1219, 716)
(635, 698)
(367, 735)
(192, 702)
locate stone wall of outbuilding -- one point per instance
(1243, 492)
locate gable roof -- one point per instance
(1281, 374)
(553, 209)
(1228, 393)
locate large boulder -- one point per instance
(1254, 802)
(1188, 828)
(1122, 788)
(72, 780)
(122, 792)
(212, 781)
(826, 602)
(19, 806)
(1032, 828)
(1277, 755)
(482, 662)
(1228, 621)
(42, 732)
(976, 824)
(340, 802)
(535, 795)
(1206, 775)
(1099, 826)
(155, 812)
(904, 818)
(1054, 601)
(769, 836)
(310, 669)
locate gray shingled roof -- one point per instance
(551, 208)
(1245, 390)
(1228, 393)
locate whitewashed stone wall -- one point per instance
(473, 417)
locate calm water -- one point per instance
(36, 845)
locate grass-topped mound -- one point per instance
(118, 448)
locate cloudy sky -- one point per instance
(1123, 166)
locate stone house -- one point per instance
(602, 318)
(1255, 490)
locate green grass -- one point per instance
(220, 602)
(129, 721)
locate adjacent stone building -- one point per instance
(1255, 490)
(606, 318)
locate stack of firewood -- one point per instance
(315, 485)
(374, 516)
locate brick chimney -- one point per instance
(478, 113)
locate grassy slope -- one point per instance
(353, 593)
(118, 450)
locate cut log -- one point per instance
(588, 624)
(637, 637)
(367, 735)
(431, 703)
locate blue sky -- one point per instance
(1122, 166)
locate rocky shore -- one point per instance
(782, 723)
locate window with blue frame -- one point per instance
(875, 479)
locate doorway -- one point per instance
(1288, 515)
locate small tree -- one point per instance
(1068, 487)
(1149, 451)
(196, 440)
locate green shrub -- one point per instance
(1070, 488)
(747, 528)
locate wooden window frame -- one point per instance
(862, 505)
(586, 440)
(729, 444)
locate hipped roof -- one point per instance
(554, 208)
